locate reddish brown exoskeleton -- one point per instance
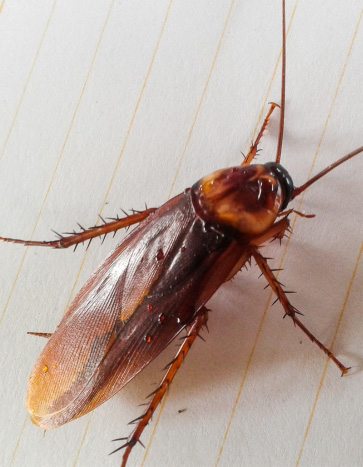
(157, 283)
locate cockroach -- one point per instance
(157, 282)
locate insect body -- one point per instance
(153, 285)
(157, 283)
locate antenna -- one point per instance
(283, 81)
(303, 187)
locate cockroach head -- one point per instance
(247, 198)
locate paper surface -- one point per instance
(108, 105)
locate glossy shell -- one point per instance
(246, 198)
(137, 301)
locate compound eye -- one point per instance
(284, 179)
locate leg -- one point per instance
(253, 149)
(277, 230)
(298, 213)
(289, 309)
(87, 234)
(47, 335)
(193, 333)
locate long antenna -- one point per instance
(283, 81)
(302, 188)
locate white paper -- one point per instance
(108, 105)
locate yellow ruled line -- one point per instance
(56, 166)
(28, 79)
(334, 98)
(50, 185)
(328, 360)
(273, 76)
(353, 276)
(286, 247)
(154, 428)
(176, 176)
(113, 178)
(1, 6)
(18, 442)
(83, 439)
(254, 346)
(201, 99)
(173, 184)
(124, 144)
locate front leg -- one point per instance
(290, 310)
(254, 146)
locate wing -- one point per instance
(136, 302)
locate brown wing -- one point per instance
(137, 301)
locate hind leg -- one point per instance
(194, 329)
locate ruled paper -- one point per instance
(114, 104)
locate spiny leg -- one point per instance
(143, 420)
(253, 149)
(290, 310)
(276, 231)
(87, 234)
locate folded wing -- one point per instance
(136, 302)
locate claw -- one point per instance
(345, 371)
